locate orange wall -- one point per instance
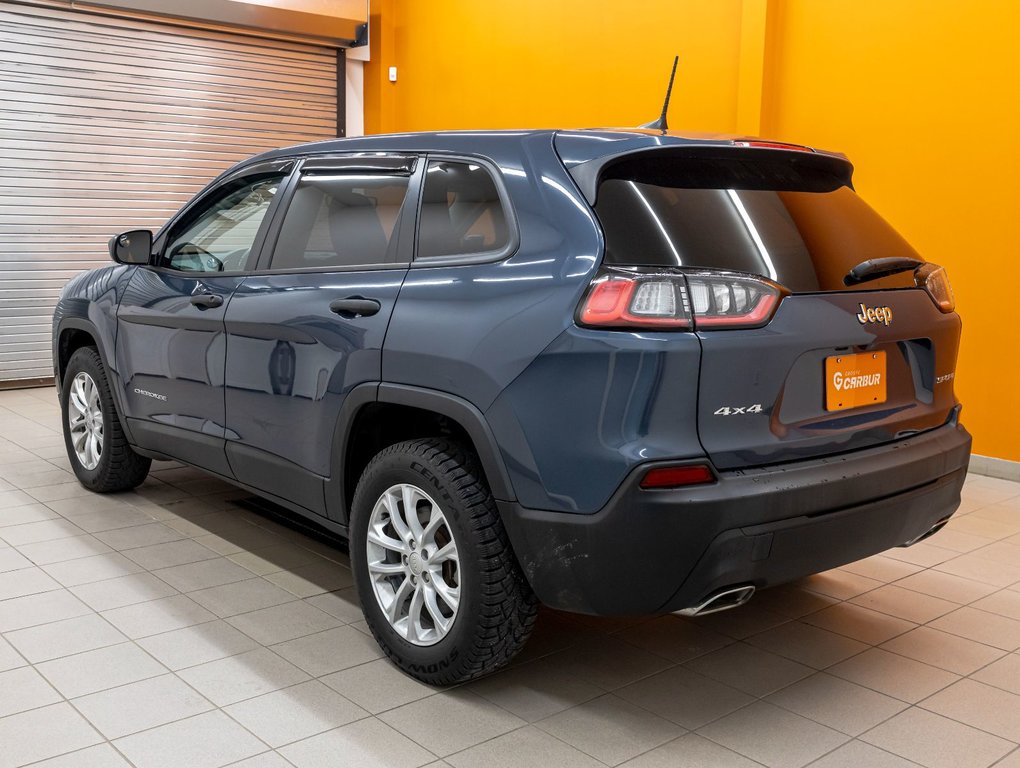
(558, 63)
(920, 94)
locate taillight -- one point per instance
(935, 281)
(620, 298)
(676, 477)
(732, 301)
(625, 300)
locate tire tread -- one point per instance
(125, 469)
(508, 606)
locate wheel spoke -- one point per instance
(436, 521)
(399, 597)
(90, 449)
(414, 627)
(448, 552)
(399, 524)
(92, 395)
(380, 568)
(450, 595)
(441, 621)
(77, 397)
(410, 498)
(380, 539)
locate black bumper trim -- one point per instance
(653, 551)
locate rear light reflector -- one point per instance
(676, 477)
(633, 299)
(935, 281)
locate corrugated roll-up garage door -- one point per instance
(109, 124)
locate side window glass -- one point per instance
(220, 236)
(341, 220)
(461, 211)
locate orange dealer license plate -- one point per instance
(853, 381)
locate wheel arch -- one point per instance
(355, 442)
(72, 334)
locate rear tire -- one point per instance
(97, 448)
(443, 594)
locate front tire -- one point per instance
(437, 579)
(97, 448)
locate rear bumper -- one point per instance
(654, 551)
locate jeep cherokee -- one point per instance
(615, 372)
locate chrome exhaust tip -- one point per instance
(930, 532)
(732, 597)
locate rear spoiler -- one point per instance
(719, 167)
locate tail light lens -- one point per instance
(935, 281)
(621, 298)
(732, 301)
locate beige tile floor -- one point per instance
(172, 627)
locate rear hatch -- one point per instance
(838, 365)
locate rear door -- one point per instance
(839, 367)
(170, 342)
(308, 327)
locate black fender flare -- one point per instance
(451, 406)
(469, 417)
(112, 377)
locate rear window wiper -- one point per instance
(873, 269)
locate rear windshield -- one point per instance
(802, 230)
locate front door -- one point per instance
(309, 326)
(170, 342)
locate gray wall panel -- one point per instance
(109, 124)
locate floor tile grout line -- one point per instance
(1002, 760)
(35, 666)
(368, 716)
(698, 731)
(935, 666)
(575, 747)
(150, 729)
(122, 642)
(75, 709)
(700, 736)
(134, 682)
(919, 705)
(855, 739)
(538, 725)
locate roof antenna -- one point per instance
(660, 124)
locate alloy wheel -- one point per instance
(85, 417)
(413, 564)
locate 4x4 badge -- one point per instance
(874, 315)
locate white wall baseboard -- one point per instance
(992, 467)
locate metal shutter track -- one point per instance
(109, 124)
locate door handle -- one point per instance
(355, 306)
(206, 300)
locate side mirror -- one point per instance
(134, 247)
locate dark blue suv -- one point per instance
(615, 372)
